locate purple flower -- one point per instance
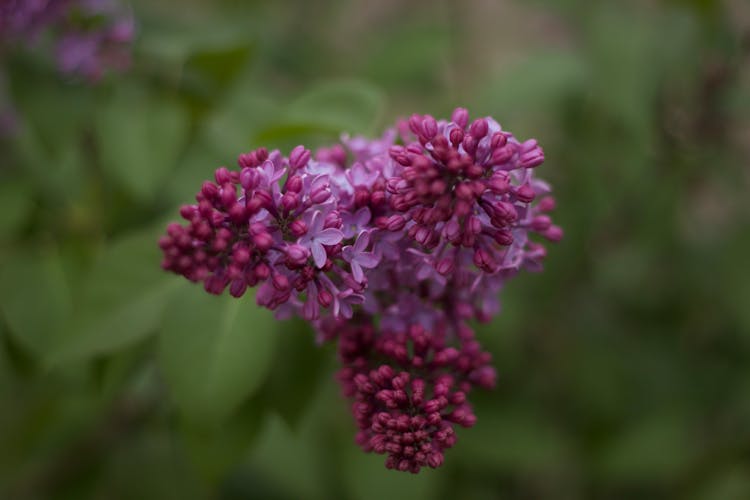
(317, 236)
(358, 258)
(355, 223)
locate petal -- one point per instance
(357, 273)
(362, 216)
(348, 253)
(368, 260)
(316, 223)
(363, 240)
(319, 254)
(329, 236)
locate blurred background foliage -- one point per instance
(623, 367)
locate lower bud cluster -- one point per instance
(410, 390)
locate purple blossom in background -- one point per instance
(90, 37)
(390, 248)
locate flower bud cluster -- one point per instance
(409, 390)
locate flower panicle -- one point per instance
(391, 247)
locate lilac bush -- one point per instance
(393, 247)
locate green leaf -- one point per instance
(211, 70)
(34, 299)
(215, 351)
(122, 300)
(291, 385)
(514, 440)
(16, 202)
(140, 138)
(366, 478)
(215, 448)
(343, 105)
(655, 448)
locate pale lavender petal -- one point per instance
(368, 260)
(319, 253)
(357, 272)
(329, 236)
(316, 224)
(363, 240)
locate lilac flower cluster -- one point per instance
(415, 232)
(90, 37)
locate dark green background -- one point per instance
(623, 368)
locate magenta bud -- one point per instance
(464, 191)
(445, 266)
(280, 282)
(504, 238)
(502, 154)
(395, 223)
(187, 211)
(237, 288)
(525, 193)
(498, 184)
(415, 122)
(460, 117)
(553, 233)
(241, 255)
(289, 201)
(332, 220)
(209, 190)
(470, 144)
(222, 176)
(325, 298)
(541, 223)
(547, 204)
(498, 140)
(361, 197)
(228, 195)
(299, 157)
(249, 178)
(297, 254)
(320, 194)
(456, 136)
(294, 184)
(298, 228)
(484, 261)
(532, 159)
(263, 241)
(429, 127)
(479, 128)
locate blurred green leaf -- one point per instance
(216, 447)
(342, 105)
(211, 70)
(730, 484)
(122, 300)
(412, 55)
(215, 351)
(280, 454)
(517, 441)
(290, 385)
(524, 94)
(34, 299)
(366, 478)
(656, 448)
(16, 202)
(140, 138)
